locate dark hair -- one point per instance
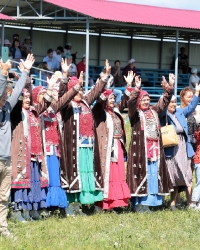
(117, 61)
(49, 51)
(15, 40)
(60, 48)
(182, 48)
(15, 35)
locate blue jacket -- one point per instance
(181, 115)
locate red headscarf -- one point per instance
(142, 94)
(35, 92)
(72, 82)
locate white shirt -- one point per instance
(58, 57)
(73, 69)
(66, 52)
(193, 78)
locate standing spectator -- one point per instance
(182, 62)
(130, 67)
(16, 51)
(28, 45)
(58, 54)
(52, 62)
(178, 158)
(72, 70)
(15, 36)
(193, 78)
(6, 107)
(116, 72)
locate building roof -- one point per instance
(133, 13)
(5, 17)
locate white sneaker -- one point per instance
(192, 206)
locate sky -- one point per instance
(178, 4)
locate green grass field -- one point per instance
(162, 229)
(128, 230)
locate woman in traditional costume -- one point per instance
(29, 173)
(147, 174)
(111, 138)
(79, 174)
(56, 196)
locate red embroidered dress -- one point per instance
(85, 121)
(51, 134)
(35, 133)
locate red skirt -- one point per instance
(119, 192)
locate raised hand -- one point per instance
(171, 80)
(129, 78)
(64, 66)
(138, 82)
(107, 67)
(29, 62)
(164, 83)
(21, 67)
(51, 82)
(80, 80)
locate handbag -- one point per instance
(169, 135)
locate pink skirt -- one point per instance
(119, 192)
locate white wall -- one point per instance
(145, 52)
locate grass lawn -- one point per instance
(128, 230)
(162, 229)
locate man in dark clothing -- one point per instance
(182, 62)
(130, 67)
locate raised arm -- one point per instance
(187, 111)
(24, 67)
(132, 107)
(164, 101)
(5, 67)
(129, 81)
(68, 96)
(47, 99)
(93, 94)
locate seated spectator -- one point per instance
(193, 78)
(58, 54)
(43, 75)
(67, 49)
(118, 78)
(15, 36)
(52, 62)
(28, 45)
(130, 67)
(17, 52)
(72, 70)
(81, 65)
(182, 62)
